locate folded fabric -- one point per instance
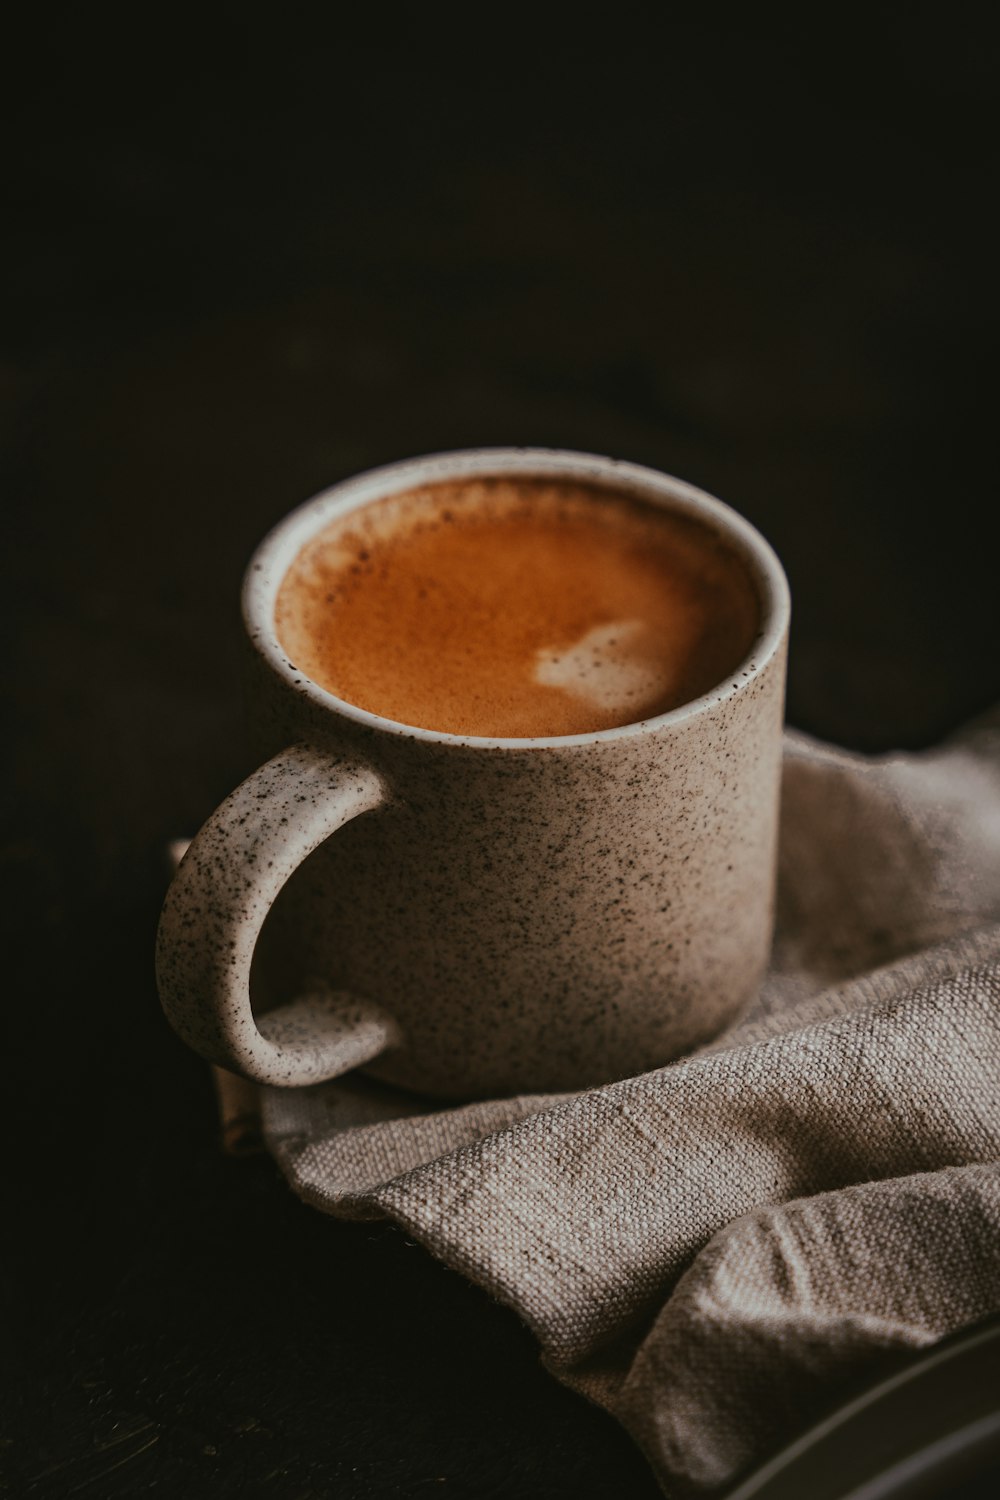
(717, 1250)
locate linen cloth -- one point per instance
(717, 1250)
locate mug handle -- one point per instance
(215, 908)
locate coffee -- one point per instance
(510, 607)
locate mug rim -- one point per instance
(275, 554)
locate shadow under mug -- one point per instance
(465, 916)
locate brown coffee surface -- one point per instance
(516, 608)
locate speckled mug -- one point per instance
(469, 917)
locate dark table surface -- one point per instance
(244, 260)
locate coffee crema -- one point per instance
(516, 608)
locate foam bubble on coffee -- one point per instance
(516, 608)
(602, 669)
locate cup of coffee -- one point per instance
(519, 713)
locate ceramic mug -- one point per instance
(466, 916)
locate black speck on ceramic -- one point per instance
(472, 917)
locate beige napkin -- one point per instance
(717, 1250)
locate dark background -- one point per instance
(244, 258)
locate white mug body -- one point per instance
(505, 915)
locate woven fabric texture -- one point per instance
(718, 1250)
